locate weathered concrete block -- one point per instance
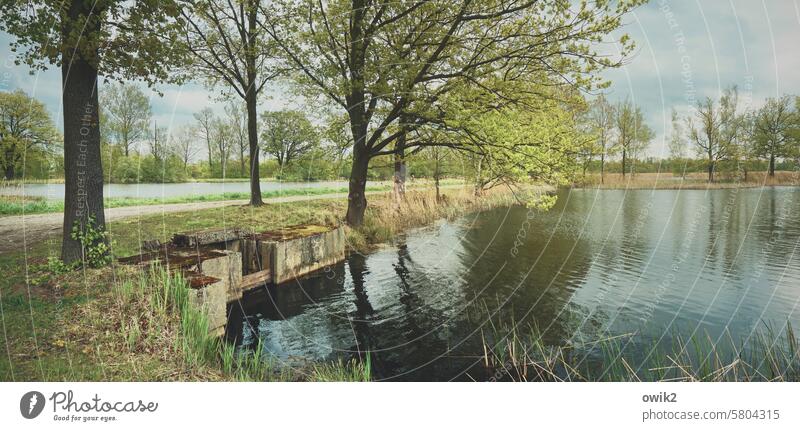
(256, 254)
(227, 266)
(209, 236)
(294, 257)
(209, 295)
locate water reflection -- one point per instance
(600, 263)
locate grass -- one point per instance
(384, 219)
(16, 205)
(695, 180)
(526, 356)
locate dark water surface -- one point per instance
(600, 263)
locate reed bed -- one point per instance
(526, 356)
(691, 181)
(157, 316)
(384, 218)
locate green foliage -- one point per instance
(288, 135)
(125, 115)
(633, 134)
(133, 50)
(26, 133)
(94, 243)
(773, 128)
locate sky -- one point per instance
(686, 51)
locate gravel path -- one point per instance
(19, 231)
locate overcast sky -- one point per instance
(686, 50)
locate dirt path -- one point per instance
(17, 232)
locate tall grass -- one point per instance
(384, 219)
(767, 356)
(341, 371)
(694, 180)
(155, 303)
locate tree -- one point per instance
(25, 126)
(601, 118)
(238, 121)
(338, 140)
(205, 127)
(184, 144)
(127, 114)
(508, 145)
(716, 128)
(771, 129)
(229, 48)
(633, 134)
(677, 143)
(223, 138)
(159, 142)
(379, 60)
(288, 135)
(115, 39)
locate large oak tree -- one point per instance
(89, 39)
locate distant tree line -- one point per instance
(720, 133)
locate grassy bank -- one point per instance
(697, 181)
(524, 355)
(16, 205)
(117, 324)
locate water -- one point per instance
(600, 263)
(56, 191)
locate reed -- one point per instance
(154, 309)
(510, 354)
(384, 218)
(691, 181)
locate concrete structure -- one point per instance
(221, 265)
(294, 251)
(210, 295)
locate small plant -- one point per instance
(94, 243)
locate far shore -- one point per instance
(692, 181)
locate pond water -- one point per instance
(599, 263)
(145, 190)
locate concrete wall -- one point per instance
(296, 257)
(212, 299)
(272, 257)
(228, 268)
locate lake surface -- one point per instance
(56, 191)
(600, 263)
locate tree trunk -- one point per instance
(241, 159)
(252, 136)
(252, 111)
(623, 162)
(9, 171)
(399, 189)
(83, 169)
(602, 166)
(399, 186)
(208, 142)
(356, 200)
(710, 171)
(478, 178)
(772, 164)
(436, 175)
